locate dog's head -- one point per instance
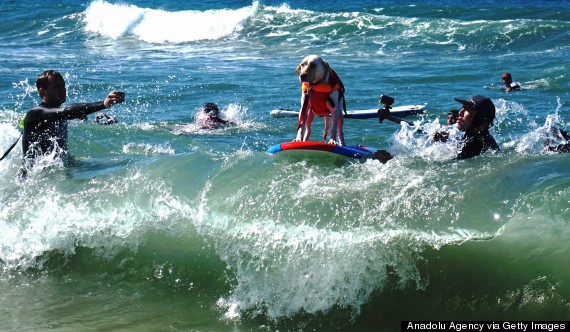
(312, 69)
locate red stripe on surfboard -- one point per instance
(319, 146)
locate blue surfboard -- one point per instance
(398, 111)
(351, 151)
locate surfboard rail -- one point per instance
(399, 111)
(351, 151)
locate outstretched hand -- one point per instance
(115, 97)
(440, 136)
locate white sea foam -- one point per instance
(111, 219)
(160, 26)
(147, 149)
(285, 270)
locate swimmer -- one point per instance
(452, 117)
(475, 118)
(442, 136)
(209, 117)
(509, 84)
(45, 126)
(559, 136)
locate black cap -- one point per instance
(484, 106)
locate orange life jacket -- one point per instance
(320, 93)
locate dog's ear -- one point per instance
(326, 66)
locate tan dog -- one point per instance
(323, 95)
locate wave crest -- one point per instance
(160, 26)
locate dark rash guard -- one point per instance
(476, 143)
(46, 128)
(560, 148)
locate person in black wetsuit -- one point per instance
(561, 140)
(475, 119)
(45, 126)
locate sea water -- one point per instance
(157, 224)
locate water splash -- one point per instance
(118, 20)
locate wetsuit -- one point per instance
(515, 86)
(561, 148)
(45, 129)
(476, 143)
(210, 122)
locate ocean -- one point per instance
(159, 225)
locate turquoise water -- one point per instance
(160, 225)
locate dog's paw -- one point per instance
(333, 142)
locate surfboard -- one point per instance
(352, 151)
(399, 111)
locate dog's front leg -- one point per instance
(308, 123)
(340, 122)
(337, 120)
(300, 131)
(302, 122)
(326, 131)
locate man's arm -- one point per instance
(77, 111)
(384, 113)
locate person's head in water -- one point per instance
(478, 112)
(51, 87)
(211, 109)
(209, 117)
(507, 79)
(452, 117)
(509, 84)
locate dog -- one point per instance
(322, 95)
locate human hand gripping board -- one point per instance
(386, 113)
